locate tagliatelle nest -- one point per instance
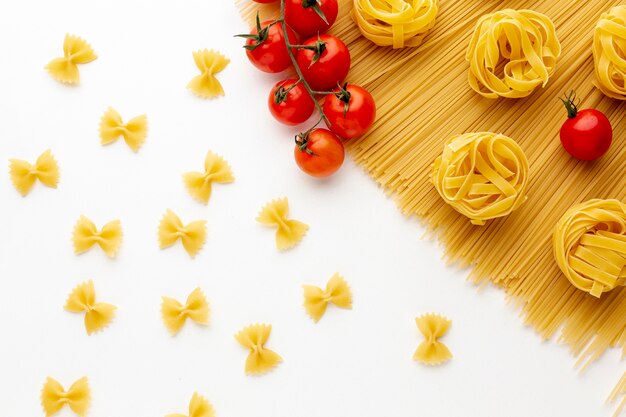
(609, 53)
(589, 244)
(511, 53)
(481, 175)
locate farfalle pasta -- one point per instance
(209, 62)
(396, 23)
(289, 232)
(260, 359)
(192, 235)
(431, 351)
(82, 299)
(609, 53)
(112, 127)
(54, 397)
(216, 169)
(174, 314)
(589, 245)
(75, 51)
(316, 300)
(511, 53)
(481, 175)
(198, 407)
(24, 175)
(86, 235)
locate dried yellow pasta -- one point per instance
(77, 397)
(82, 299)
(481, 175)
(75, 51)
(431, 351)
(609, 53)
(23, 174)
(589, 244)
(198, 407)
(216, 169)
(86, 234)
(396, 23)
(316, 300)
(260, 359)
(209, 63)
(289, 232)
(175, 314)
(112, 127)
(511, 53)
(192, 235)
(620, 390)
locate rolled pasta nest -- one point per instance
(589, 244)
(511, 53)
(396, 23)
(481, 175)
(609, 53)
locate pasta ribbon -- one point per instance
(172, 229)
(511, 53)
(175, 314)
(216, 169)
(112, 127)
(481, 175)
(23, 174)
(86, 235)
(396, 23)
(75, 51)
(54, 397)
(431, 351)
(83, 299)
(316, 300)
(589, 244)
(289, 232)
(260, 359)
(198, 407)
(209, 63)
(609, 53)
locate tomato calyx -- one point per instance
(315, 5)
(571, 104)
(302, 142)
(281, 93)
(259, 37)
(344, 95)
(319, 47)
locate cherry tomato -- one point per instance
(586, 134)
(266, 48)
(290, 103)
(326, 64)
(351, 111)
(304, 15)
(319, 152)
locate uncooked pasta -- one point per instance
(609, 46)
(423, 98)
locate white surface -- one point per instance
(352, 363)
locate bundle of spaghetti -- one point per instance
(396, 23)
(423, 98)
(609, 48)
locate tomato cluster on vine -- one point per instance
(297, 41)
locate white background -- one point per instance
(352, 363)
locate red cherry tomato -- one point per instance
(290, 104)
(586, 134)
(351, 111)
(266, 48)
(304, 15)
(319, 153)
(326, 66)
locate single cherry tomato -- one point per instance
(305, 16)
(290, 103)
(350, 112)
(586, 134)
(319, 152)
(325, 62)
(266, 48)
